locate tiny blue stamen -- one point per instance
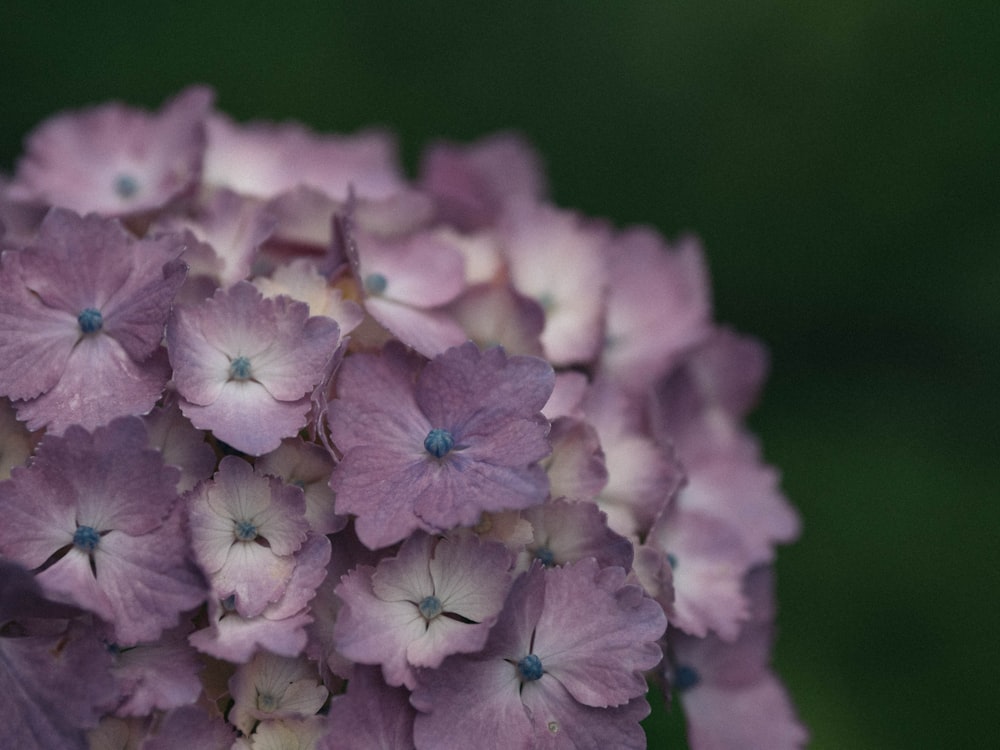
(266, 702)
(439, 443)
(375, 283)
(245, 531)
(90, 320)
(86, 538)
(672, 559)
(239, 369)
(126, 186)
(685, 677)
(530, 669)
(229, 603)
(430, 607)
(544, 554)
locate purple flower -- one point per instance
(82, 313)
(436, 597)
(708, 562)
(405, 280)
(245, 365)
(433, 449)
(274, 687)
(699, 413)
(563, 667)
(281, 627)
(370, 716)
(288, 155)
(472, 182)
(95, 515)
(43, 699)
(308, 466)
(245, 530)
(642, 475)
(730, 695)
(115, 160)
(559, 261)
(158, 675)
(229, 230)
(658, 306)
(565, 532)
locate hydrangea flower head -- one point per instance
(297, 453)
(433, 449)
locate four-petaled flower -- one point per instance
(434, 449)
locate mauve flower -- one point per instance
(708, 562)
(433, 449)
(43, 656)
(161, 675)
(274, 687)
(370, 715)
(245, 365)
(698, 411)
(82, 313)
(405, 280)
(471, 182)
(96, 516)
(658, 306)
(642, 474)
(563, 667)
(731, 697)
(283, 157)
(245, 530)
(229, 229)
(281, 627)
(560, 262)
(576, 467)
(435, 597)
(308, 466)
(301, 281)
(115, 160)
(564, 532)
(179, 443)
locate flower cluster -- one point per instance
(298, 452)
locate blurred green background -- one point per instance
(841, 160)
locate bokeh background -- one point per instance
(841, 161)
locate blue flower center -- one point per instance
(266, 702)
(245, 531)
(375, 283)
(530, 669)
(430, 607)
(126, 186)
(86, 538)
(672, 560)
(90, 320)
(439, 443)
(239, 369)
(685, 677)
(544, 554)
